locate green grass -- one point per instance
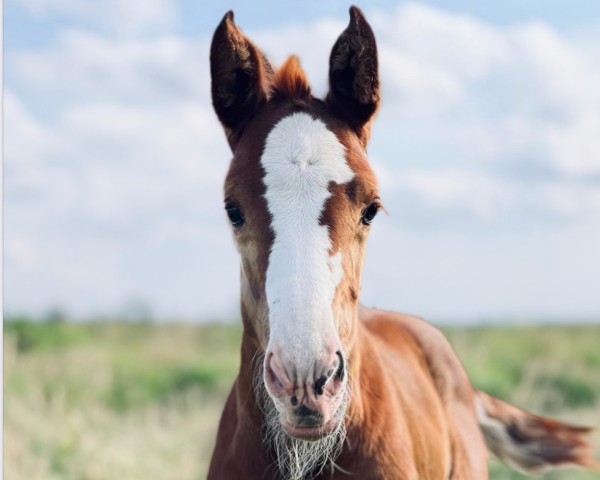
(112, 400)
(551, 370)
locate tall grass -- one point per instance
(142, 401)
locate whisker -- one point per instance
(298, 459)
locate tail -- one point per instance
(529, 443)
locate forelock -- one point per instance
(290, 81)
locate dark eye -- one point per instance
(234, 214)
(369, 214)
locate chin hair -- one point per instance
(298, 459)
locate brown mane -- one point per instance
(290, 81)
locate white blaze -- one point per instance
(300, 159)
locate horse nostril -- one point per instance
(341, 370)
(319, 384)
(294, 400)
(338, 371)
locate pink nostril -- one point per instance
(336, 370)
(276, 378)
(319, 384)
(304, 389)
(340, 369)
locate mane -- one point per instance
(290, 81)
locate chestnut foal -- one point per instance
(326, 387)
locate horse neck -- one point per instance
(249, 411)
(359, 375)
(251, 355)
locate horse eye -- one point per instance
(235, 216)
(369, 214)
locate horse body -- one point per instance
(328, 388)
(411, 415)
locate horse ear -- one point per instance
(240, 77)
(353, 75)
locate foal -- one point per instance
(328, 388)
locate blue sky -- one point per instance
(486, 148)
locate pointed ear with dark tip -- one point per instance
(353, 75)
(240, 76)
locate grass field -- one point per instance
(141, 401)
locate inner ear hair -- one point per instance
(240, 75)
(354, 92)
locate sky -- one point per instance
(486, 147)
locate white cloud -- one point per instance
(25, 137)
(456, 44)
(84, 67)
(514, 91)
(460, 190)
(122, 17)
(115, 160)
(571, 200)
(572, 146)
(20, 252)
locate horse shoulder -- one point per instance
(446, 370)
(449, 378)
